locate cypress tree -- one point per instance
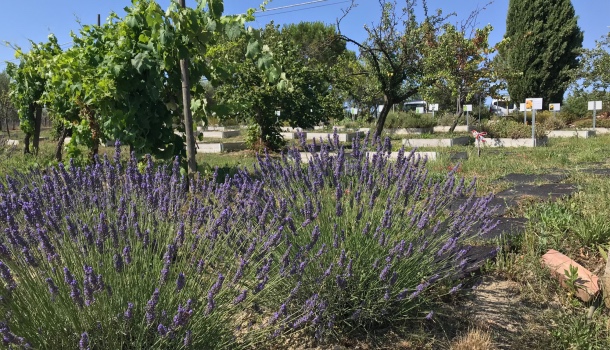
(543, 42)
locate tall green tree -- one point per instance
(595, 67)
(28, 79)
(6, 106)
(543, 44)
(394, 52)
(304, 100)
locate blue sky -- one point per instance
(21, 20)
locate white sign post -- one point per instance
(522, 109)
(433, 108)
(554, 107)
(533, 104)
(594, 106)
(467, 109)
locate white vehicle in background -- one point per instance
(416, 106)
(502, 106)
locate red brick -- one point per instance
(587, 283)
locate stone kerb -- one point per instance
(458, 141)
(221, 134)
(220, 147)
(410, 131)
(506, 142)
(343, 137)
(12, 142)
(585, 134)
(602, 131)
(306, 157)
(296, 135)
(459, 128)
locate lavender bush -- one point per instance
(107, 256)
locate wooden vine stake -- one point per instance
(605, 281)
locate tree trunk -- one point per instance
(26, 143)
(8, 133)
(60, 144)
(188, 117)
(456, 121)
(382, 116)
(95, 131)
(37, 124)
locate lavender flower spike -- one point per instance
(83, 344)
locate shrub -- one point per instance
(588, 123)
(397, 120)
(554, 124)
(504, 128)
(107, 256)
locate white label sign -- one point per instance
(533, 103)
(521, 107)
(595, 105)
(354, 110)
(554, 107)
(433, 107)
(277, 113)
(467, 108)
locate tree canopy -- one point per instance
(394, 52)
(542, 44)
(303, 53)
(122, 80)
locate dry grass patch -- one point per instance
(475, 339)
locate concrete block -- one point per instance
(459, 128)
(343, 137)
(410, 131)
(436, 142)
(587, 283)
(584, 134)
(221, 134)
(12, 142)
(293, 135)
(506, 142)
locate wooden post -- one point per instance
(188, 117)
(605, 282)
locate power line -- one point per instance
(289, 6)
(307, 8)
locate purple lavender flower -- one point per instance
(420, 288)
(53, 290)
(164, 273)
(384, 273)
(341, 282)
(128, 314)
(7, 276)
(276, 315)
(187, 339)
(455, 289)
(162, 330)
(183, 315)
(241, 297)
(9, 337)
(83, 344)
(150, 307)
(118, 262)
(211, 304)
(216, 286)
(180, 282)
(68, 277)
(75, 293)
(430, 315)
(127, 254)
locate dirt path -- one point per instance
(496, 306)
